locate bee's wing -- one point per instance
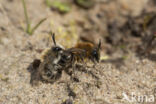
(78, 53)
(76, 50)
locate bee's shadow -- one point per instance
(33, 69)
(80, 68)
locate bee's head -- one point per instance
(96, 52)
(56, 48)
(57, 51)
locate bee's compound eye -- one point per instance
(94, 53)
(57, 49)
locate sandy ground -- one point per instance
(104, 84)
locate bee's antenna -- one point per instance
(99, 45)
(53, 38)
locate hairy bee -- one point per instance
(56, 59)
(71, 56)
(81, 52)
(92, 51)
(49, 70)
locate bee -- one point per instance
(80, 53)
(55, 59)
(71, 56)
(92, 51)
(49, 70)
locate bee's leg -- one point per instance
(94, 63)
(74, 68)
(73, 74)
(83, 61)
(74, 77)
